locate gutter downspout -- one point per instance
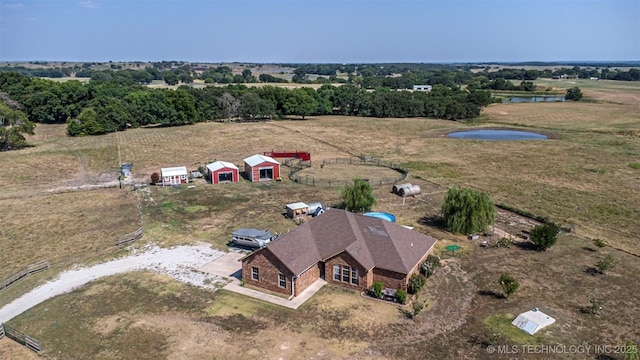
(293, 287)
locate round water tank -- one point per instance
(314, 206)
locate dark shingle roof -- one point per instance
(373, 242)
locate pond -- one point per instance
(520, 99)
(486, 134)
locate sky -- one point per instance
(320, 31)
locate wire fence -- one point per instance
(364, 160)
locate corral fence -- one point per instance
(23, 273)
(20, 337)
(363, 160)
(131, 237)
(296, 165)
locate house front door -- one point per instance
(321, 265)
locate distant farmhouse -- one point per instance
(343, 248)
(422, 87)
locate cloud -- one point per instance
(13, 6)
(88, 4)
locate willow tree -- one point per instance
(467, 211)
(358, 197)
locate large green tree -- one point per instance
(467, 211)
(299, 102)
(358, 197)
(13, 125)
(573, 94)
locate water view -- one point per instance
(520, 99)
(485, 134)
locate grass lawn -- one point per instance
(582, 178)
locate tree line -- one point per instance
(103, 106)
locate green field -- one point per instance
(583, 178)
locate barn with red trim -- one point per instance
(222, 171)
(261, 168)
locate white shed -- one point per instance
(173, 175)
(297, 210)
(533, 321)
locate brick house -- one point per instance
(343, 248)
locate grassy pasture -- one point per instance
(580, 178)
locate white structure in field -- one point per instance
(422, 87)
(533, 321)
(173, 175)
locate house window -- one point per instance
(336, 272)
(282, 281)
(354, 276)
(345, 273)
(255, 273)
(183, 177)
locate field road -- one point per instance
(178, 262)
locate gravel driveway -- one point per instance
(180, 262)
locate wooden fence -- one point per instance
(20, 337)
(125, 239)
(23, 273)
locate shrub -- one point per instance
(416, 282)
(155, 178)
(605, 264)
(377, 289)
(401, 295)
(599, 243)
(594, 307)
(503, 242)
(634, 165)
(428, 267)
(544, 236)
(417, 307)
(509, 284)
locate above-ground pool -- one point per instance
(486, 134)
(382, 215)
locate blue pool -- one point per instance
(485, 134)
(381, 215)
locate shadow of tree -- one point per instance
(592, 271)
(491, 293)
(432, 221)
(526, 245)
